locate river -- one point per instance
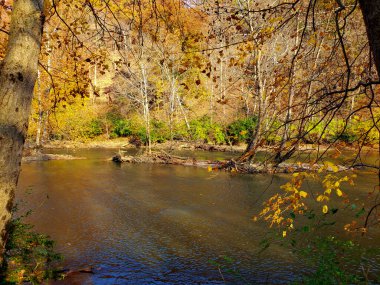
(159, 224)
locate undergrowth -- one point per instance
(29, 257)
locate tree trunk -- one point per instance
(371, 15)
(18, 73)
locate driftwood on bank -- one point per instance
(229, 165)
(46, 156)
(208, 147)
(164, 158)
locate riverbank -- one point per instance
(123, 143)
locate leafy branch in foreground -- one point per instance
(281, 209)
(302, 220)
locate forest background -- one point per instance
(215, 72)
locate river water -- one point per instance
(160, 224)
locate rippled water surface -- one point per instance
(157, 224)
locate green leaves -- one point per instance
(30, 256)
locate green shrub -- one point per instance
(241, 130)
(181, 132)
(336, 261)
(29, 256)
(334, 131)
(159, 131)
(94, 129)
(205, 131)
(121, 128)
(314, 130)
(274, 135)
(218, 134)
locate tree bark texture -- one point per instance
(18, 73)
(371, 15)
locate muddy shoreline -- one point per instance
(123, 143)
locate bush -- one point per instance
(159, 131)
(29, 256)
(205, 131)
(121, 128)
(274, 135)
(94, 129)
(241, 130)
(336, 261)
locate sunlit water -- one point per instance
(158, 224)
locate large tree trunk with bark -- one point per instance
(371, 15)
(18, 73)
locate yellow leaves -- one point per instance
(331, 183)
(321, 198)
(303, 194)
(209, 168)
(289, 187)
(292, 201)
(331, 166)
(278, 207)
(312, 40)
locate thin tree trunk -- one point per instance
(144, 93)
(42, 95)
(173, 92)
(18, 74)
(40, 112)
(183, 112)
(286, 134)
(254, 143)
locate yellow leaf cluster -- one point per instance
(290, 203)
(280, 205)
